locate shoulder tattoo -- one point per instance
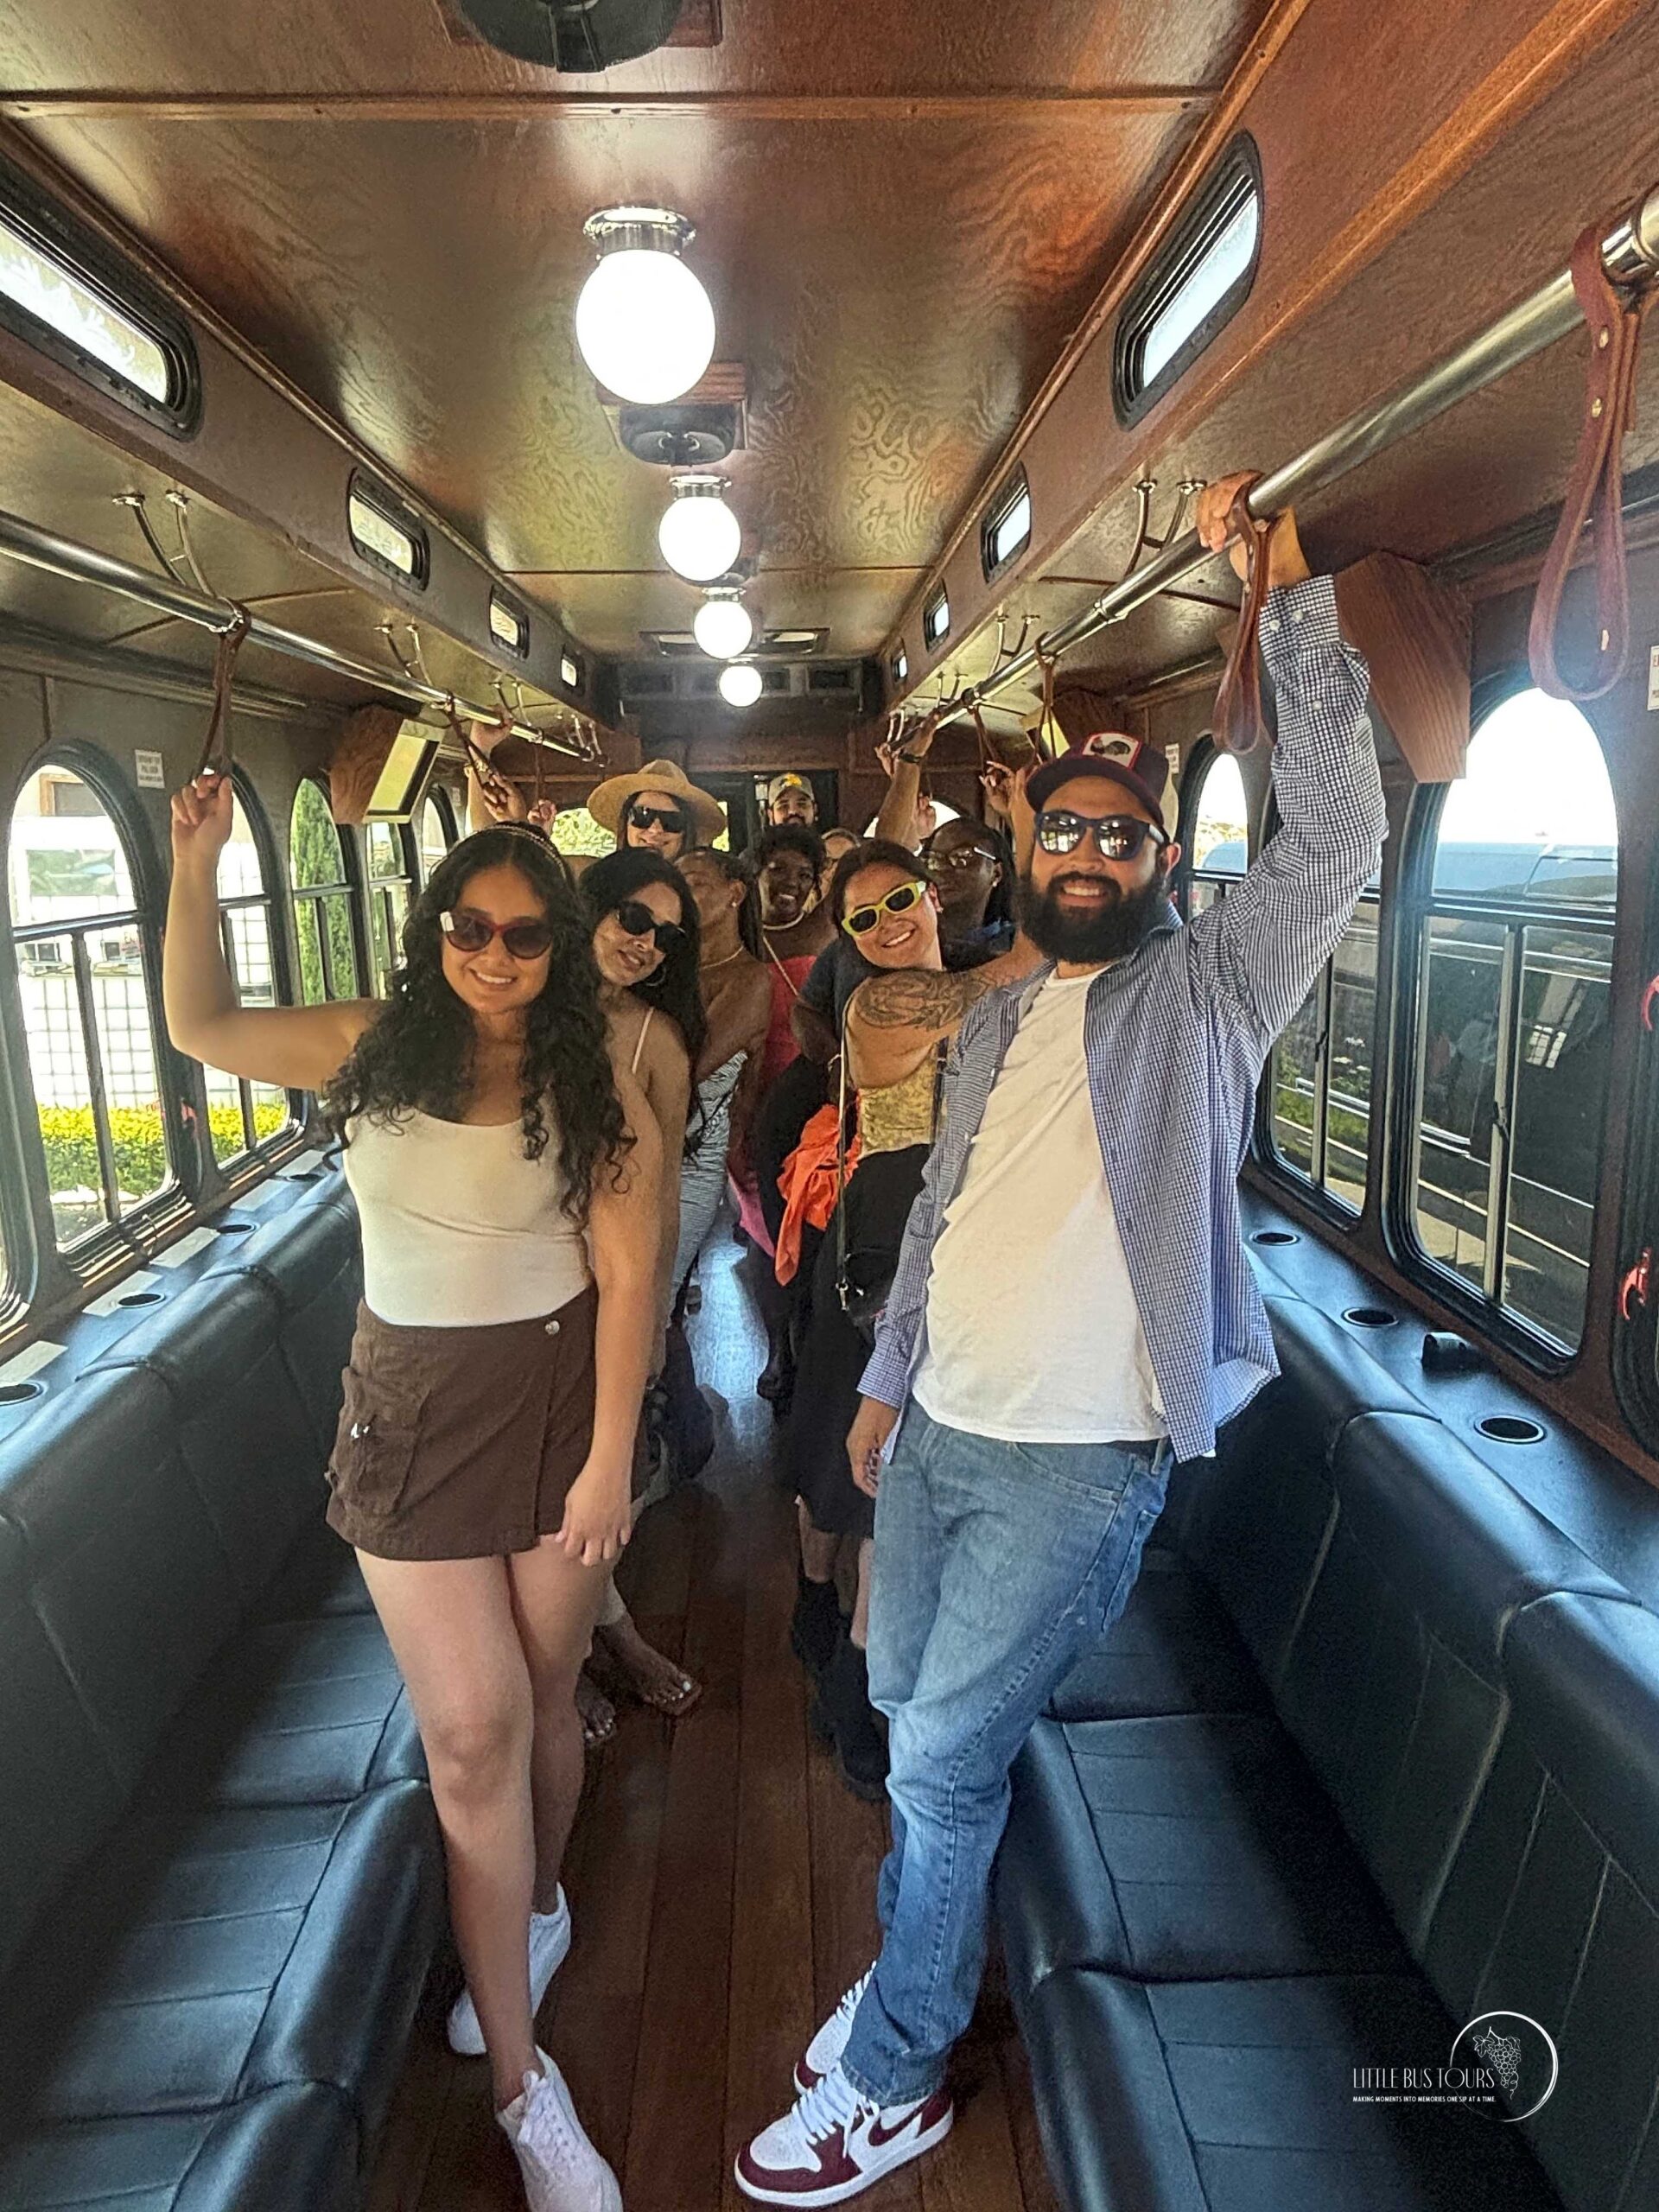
(914, 998)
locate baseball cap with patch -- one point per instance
(1136, 767)
(789, 781)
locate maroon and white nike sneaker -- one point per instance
(833, 2144)
(824, 2052)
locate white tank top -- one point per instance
(461, 1230)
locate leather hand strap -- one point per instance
(1594, 489)
(1240, 725)
(214, 755)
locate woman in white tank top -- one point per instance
(507, 1181)
(645, 944)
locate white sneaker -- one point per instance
(562, 2170)
(833, 2144)
(549, 1946)
(824, 2052)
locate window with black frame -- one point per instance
(1513, 1028)
(1319, 1072)
(436, 831)
(89, 1026)
(243, 1116)
(322, 900)
(1217, 831)
(389, 891)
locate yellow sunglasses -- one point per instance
(899, 900)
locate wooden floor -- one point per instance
(723, 1883)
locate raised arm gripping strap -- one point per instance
(216, 754)
(1594, 489)
(1240, 725)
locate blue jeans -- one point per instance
(995, 1564)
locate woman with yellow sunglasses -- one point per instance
(897, 1032)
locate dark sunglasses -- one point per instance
(635, 919)
(1117, 836)
(960, 858)
(662, 817)
(470, 932)
(899, 900)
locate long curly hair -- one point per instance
(417, 1054)
(622, 875)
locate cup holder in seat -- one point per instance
(1274, 1237)
(142, 1298)
(233, 1229)
(19, 1393)
(1511, 1428)
(1369, 1317)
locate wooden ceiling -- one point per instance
(903, 211)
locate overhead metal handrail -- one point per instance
(36, 548)
(1629, 254)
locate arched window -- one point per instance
(1218, 840)
(1514, 1027)
(389, 897)
(241, 1115)
(1320, 1074)
(88, 1020)
(322, 900)
(436, 831)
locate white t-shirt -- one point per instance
(1033, 1336)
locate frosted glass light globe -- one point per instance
(645, 325)
(739, 684)
(700, 535)
(723, 627)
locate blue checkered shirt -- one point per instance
(1175, 1038)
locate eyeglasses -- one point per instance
(960, 858)
(635, 919)
(658, 818)
(899, 900)
(470, 932)
(1117, 836)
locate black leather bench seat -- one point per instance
(296, 2146)
(1436, 1799)
(1191, 1845)
(1238, 2096)
(214, 1956)
(223, 1884)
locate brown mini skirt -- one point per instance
(462, 1443)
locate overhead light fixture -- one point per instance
(644, 322)
(739, 684)
(723, 626)
(700, 535)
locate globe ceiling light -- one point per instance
(700, 535)
(723, 626)
(644, 323)
(739, 684)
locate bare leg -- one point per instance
(450, 1623)
(859, 1631)
(555, 1602)
(817, 1550)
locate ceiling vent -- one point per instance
(679, 436)
(582, 37)
(680, 645)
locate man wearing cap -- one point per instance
(790, 797)
(657, 808)
(1073, 1310)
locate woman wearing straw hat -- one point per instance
(656, 807)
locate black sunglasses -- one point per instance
(635, 919)
(1117, 836)
(470, 932)
(662, 817)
